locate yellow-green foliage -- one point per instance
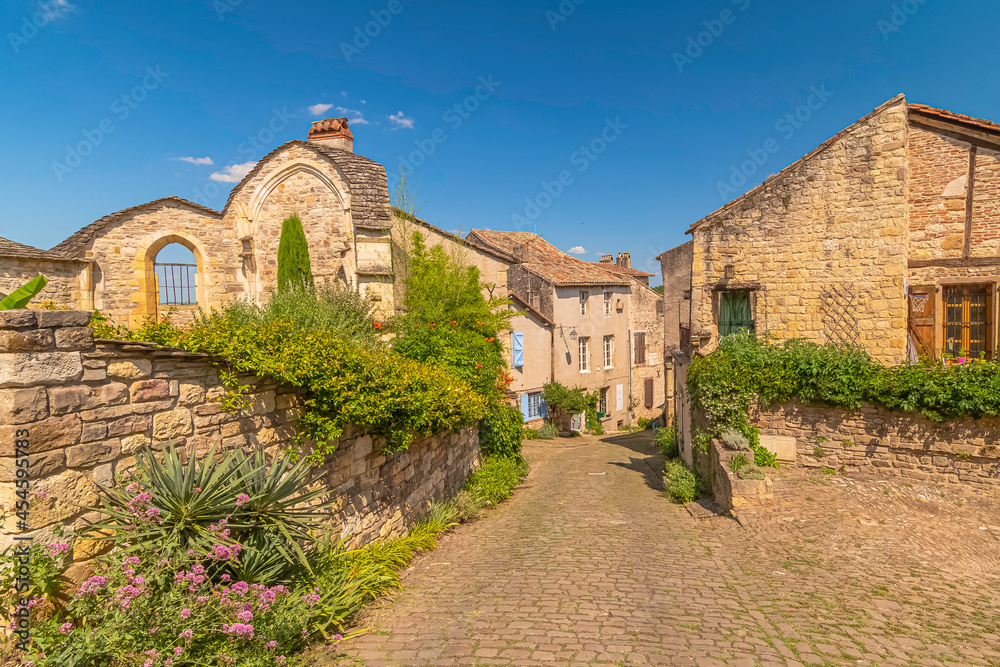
(374, 389)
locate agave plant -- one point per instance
(210, 506)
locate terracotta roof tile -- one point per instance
(951, 116)
(545, 260)
(627, 271)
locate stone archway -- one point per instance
(147, 297)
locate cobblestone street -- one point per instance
(589, 564)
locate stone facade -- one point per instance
(342, 199)
(88, 407)
(821, 247)
(872, 440)
(648, 361)
(863, 240)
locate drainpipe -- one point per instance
(629, 364)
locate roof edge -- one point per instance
(802, 160)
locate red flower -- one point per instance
(454, 321)
(432, 325)
(377, 325)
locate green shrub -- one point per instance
(735, 440)
(374, 389)
(294, 270)
(529, 433)
(446, 320)
(643, 423)
(764, 458)
(665, 440)
(501, 431)
(495, 479)
(681, 482)
(548, 431)
(738, 462)
(750, 472)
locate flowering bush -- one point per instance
(140, 609)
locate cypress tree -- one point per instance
(293, 256)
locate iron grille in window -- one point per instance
(176, 284)
(967, 322)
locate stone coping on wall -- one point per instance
(730, 492)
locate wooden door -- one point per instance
(921, 319)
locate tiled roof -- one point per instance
(475, 243)
(10, 248)
(545, 260)
(369, 185)
(528, 307)
(952, 117)
(330, 127)
(627, 271)
(74, 245)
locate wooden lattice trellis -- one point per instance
(840, 324)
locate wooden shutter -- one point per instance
(640, 348)
(921, 319)
(649, 393)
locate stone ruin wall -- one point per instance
(89, 406)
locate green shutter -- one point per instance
(735, 313)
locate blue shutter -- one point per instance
(517, 348)
(524, 406)
(543, 409)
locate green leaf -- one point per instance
(20, 297)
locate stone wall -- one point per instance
(68, 280)
(646, 316)
(822, 245)
(89, 406)
(872, 440)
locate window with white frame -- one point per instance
(607, 304)
(584, 355)
(609, 352)
(584, 297)
(535, 405)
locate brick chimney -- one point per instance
(624, 260)
(332, 132)
(607, 259)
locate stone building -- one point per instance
(886, 236)
(111, 264)
(595, 310)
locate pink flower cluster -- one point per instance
(92, 585)
(58, 549)
(242, 630)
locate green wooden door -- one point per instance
(735, 313)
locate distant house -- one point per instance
(886, 236)
(606, 331)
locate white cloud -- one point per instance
(401, 121)
(319, 109)
(354, 116)
(55, 9)
(344, 93)
(194, 160)
(234, 173)
(577, 250)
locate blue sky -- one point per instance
(230, 79)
